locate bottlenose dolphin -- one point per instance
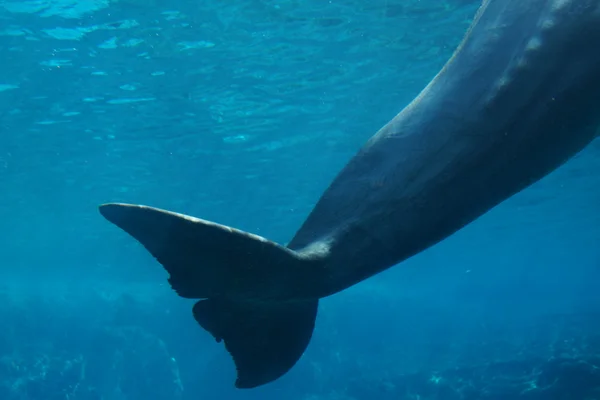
(518, 98)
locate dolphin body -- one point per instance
(519, 97)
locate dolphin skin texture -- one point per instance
(519, 97)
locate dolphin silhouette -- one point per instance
(519, 97)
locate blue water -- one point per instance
(242, 112)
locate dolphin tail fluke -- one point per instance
(244, 279)
(264, 340)
(206, 260)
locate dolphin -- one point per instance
(518, 98)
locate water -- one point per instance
(242, 113)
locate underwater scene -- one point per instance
(259, 115)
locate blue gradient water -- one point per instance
(242, 112)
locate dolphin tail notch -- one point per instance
(240, 276)
(264, 340)
(207, 260)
